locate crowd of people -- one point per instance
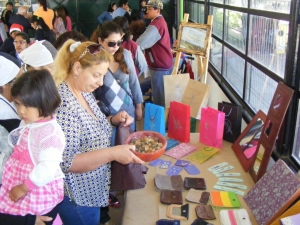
(56, 142)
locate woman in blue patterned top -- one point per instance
(79, 70)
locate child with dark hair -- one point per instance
(137, 25)
(74, 35)
(60, 23)
(21, 42)
(42, 32)
(32, 181)
(107, 15)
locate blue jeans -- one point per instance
(73, 214)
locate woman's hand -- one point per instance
(123, 154)
(41, 219)
(121, 117)
(18, 192)
(138, 112)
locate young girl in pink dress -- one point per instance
(32, 180)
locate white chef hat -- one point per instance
(8, 71)
(36, 55)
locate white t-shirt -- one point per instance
(7, 109)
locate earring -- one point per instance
(75, 76)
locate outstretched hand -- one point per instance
(123, 154)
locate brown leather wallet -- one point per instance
(204, 197)
(171, 197)
(205, 212)
(196, 183)
(165, 182)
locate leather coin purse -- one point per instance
(196, 183)
(205, 212)
(197, 196)
(178, 212)
(171, 197)
(165, 182)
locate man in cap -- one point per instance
(156, 43)
(8, 44)
(37, 56)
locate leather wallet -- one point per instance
(178, 212)
(165, 182)
(167, 222)
(171, 197)
(204, 197)
(205, 212)
(196, 183)
(200, 221)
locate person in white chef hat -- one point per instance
(37, 57)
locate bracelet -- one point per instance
(110, 120)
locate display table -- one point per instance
(143, 205)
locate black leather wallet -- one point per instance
(196, 183)
(167, 222)
(200, 221)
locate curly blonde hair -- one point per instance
(65, 59)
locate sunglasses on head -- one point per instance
(113, 44)
(92, 49)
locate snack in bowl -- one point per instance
(150, 145)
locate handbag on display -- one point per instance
(233, 120)
(212, 127)
(179, 122)
(154, 118)
(129, 176)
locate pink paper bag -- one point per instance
(212, 127)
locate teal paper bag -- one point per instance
(154, 118)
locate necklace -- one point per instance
(152, 119)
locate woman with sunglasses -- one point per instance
(79, 70)
(121, 89)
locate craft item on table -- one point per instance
(179, 122)
(228, 174)
(167, 222)
(171, 197)
(196, 96)
(197, 196)
(233, 120)
(155, 162)
(205, 212)
(178, 212)
(234, 185)
(228, 179)
(180, 150)
(196, 183)
(200, 221)
(154, 118)
(222, 188)
(212, 127)
(293, 210)
(204, 154)
(174, 87)
(223, 169)
(164, 182)
(224, 200)
(218, 166)
(235, 217)
(174, 170)
(192, 169)
(171, 143)
(165, 164)
(291, 220)
(182, 163)
(277, 190)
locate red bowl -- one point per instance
(147, 157)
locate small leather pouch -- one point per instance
(197, 196)
(200, 221)
(205, 212)
(178, 212)
(171, 197)
(204, 197)
(196, 183)
(165, 182)
(167, 222)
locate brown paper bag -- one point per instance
(174, 86)
(196, 96)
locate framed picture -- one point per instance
(194, 38)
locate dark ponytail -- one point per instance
(43, 3)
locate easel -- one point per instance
(202, 61)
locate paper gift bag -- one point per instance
(233, 120)
(154, 118)
(196, 96)
(179, 122)
(212, 127)
(174, 86)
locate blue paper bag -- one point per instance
(154, 118)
